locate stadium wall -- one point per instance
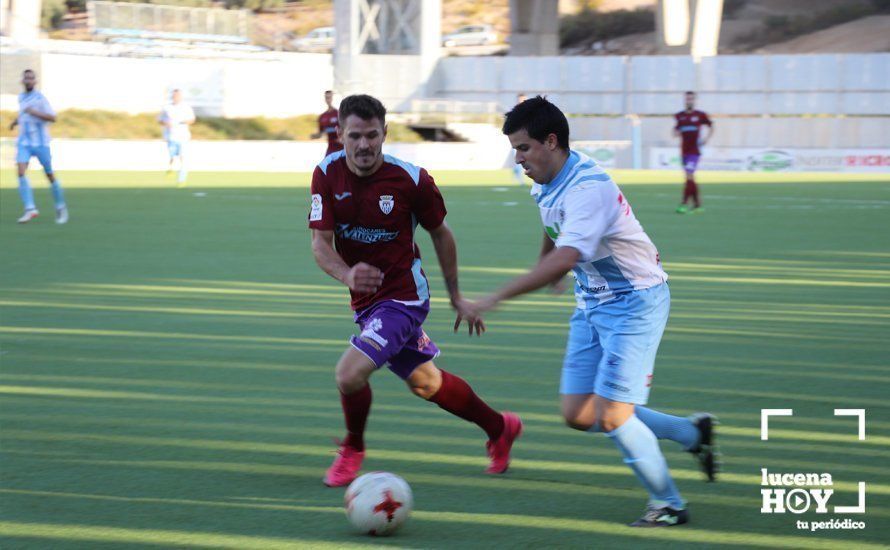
(784, 101)
(273, 85)
(87, 74)
(249, 156)
(743, 85)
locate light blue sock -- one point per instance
(666, 426)
(641, 452)
(58, 194)
(26, 194)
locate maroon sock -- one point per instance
(695, 193)
(458, 398)
(356, 407)
(687, 189)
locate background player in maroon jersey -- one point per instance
(367, 205)
(328, 122)
(688, 129)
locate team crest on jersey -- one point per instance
(695, 119)
(386, 203)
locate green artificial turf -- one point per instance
(166, 370)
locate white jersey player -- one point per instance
(582, 208)
(176, 117)
(622, 306)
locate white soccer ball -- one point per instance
(378, 503)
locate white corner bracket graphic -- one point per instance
(854, 412)
(764, 420)
(860, 509)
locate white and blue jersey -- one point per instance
(179, 116)
(584, 209)
(33, 131)
(623, 305)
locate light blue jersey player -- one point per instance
(622, 307)
(176, 117)
(35, 116)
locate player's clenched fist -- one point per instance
(364, 278)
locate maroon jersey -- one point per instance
(689, 124)
(327, 125)
(373, 219)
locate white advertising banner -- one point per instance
(778, 159)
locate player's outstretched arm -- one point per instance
(362, 278)
(552, 266)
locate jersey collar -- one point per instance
(560, 179)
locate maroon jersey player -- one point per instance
(689, 129)
(328, 122)
(365, 209)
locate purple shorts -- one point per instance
(392, 333)
(690, 163)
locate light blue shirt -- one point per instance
(33, 131)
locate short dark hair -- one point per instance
(539, 118)
(363, 106)
(26, 71)
(329, 92)
(690, 92)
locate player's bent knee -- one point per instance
(425, 381)
(349, 383)
(423, 392)
(579, 424)
(613, 419)
(612, 414)
(353, 371)
(578, 411)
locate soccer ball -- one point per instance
(378, 503)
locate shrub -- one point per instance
(77, 123)
(778, 28)
(732, 7)
(591, 25)
(51, 13)
(255, 5)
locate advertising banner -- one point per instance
(777, 159)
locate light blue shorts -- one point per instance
(44, 157)
(611, 347)
(175, 148)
